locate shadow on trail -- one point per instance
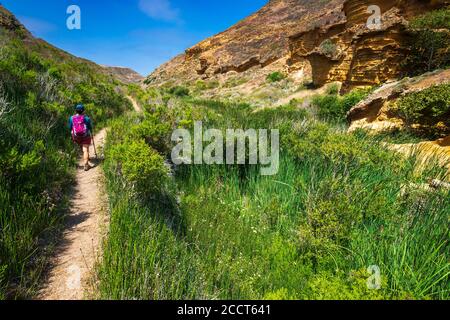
(95, 161)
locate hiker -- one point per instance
(81, 128)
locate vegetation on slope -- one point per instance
(427, 110)
(339, 204)
(333, 108)
(429, 44)
(39, 86)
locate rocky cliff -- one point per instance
(327, 40)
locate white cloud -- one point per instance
(160, 10)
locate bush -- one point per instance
(179, 91)
(334, 107)
(438, 19)
(430, 108)
(340, 286)
(328, 48)
(429, 47)
(155, 134)
(332, 89)
(140, 165)
(275, 76)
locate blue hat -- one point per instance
(79, 107)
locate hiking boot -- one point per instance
(87, 167)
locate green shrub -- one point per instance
(328, 48)
(328, 106)
(201, 85)
(430, 108)
(437, 19)
(179, 91)
(141, 166)
(275, 76)
(235, 81)
(155, 134)
(332, 89)
(334, 107)
(352, 98)
(340, 286)
(429, 47)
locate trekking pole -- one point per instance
(93, 143)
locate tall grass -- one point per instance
(335, 208)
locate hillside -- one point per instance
(126, 75)
(324, 41)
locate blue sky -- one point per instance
(140, 34)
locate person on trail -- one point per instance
(81, 129)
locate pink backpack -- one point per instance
(79, 128)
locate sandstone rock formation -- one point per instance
(329, 39)
(377, 115)
(360, 56)
(375, 112)
(256, 42)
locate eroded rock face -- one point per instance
(363, 56)
(376, 113)
(295, 31)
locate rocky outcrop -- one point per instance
(330, 39)
(357, 55)
(376, 113)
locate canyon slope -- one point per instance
(10, 24)
(324, 41)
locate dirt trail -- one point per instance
(136, 106)
(71, 273)
(72, 269)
